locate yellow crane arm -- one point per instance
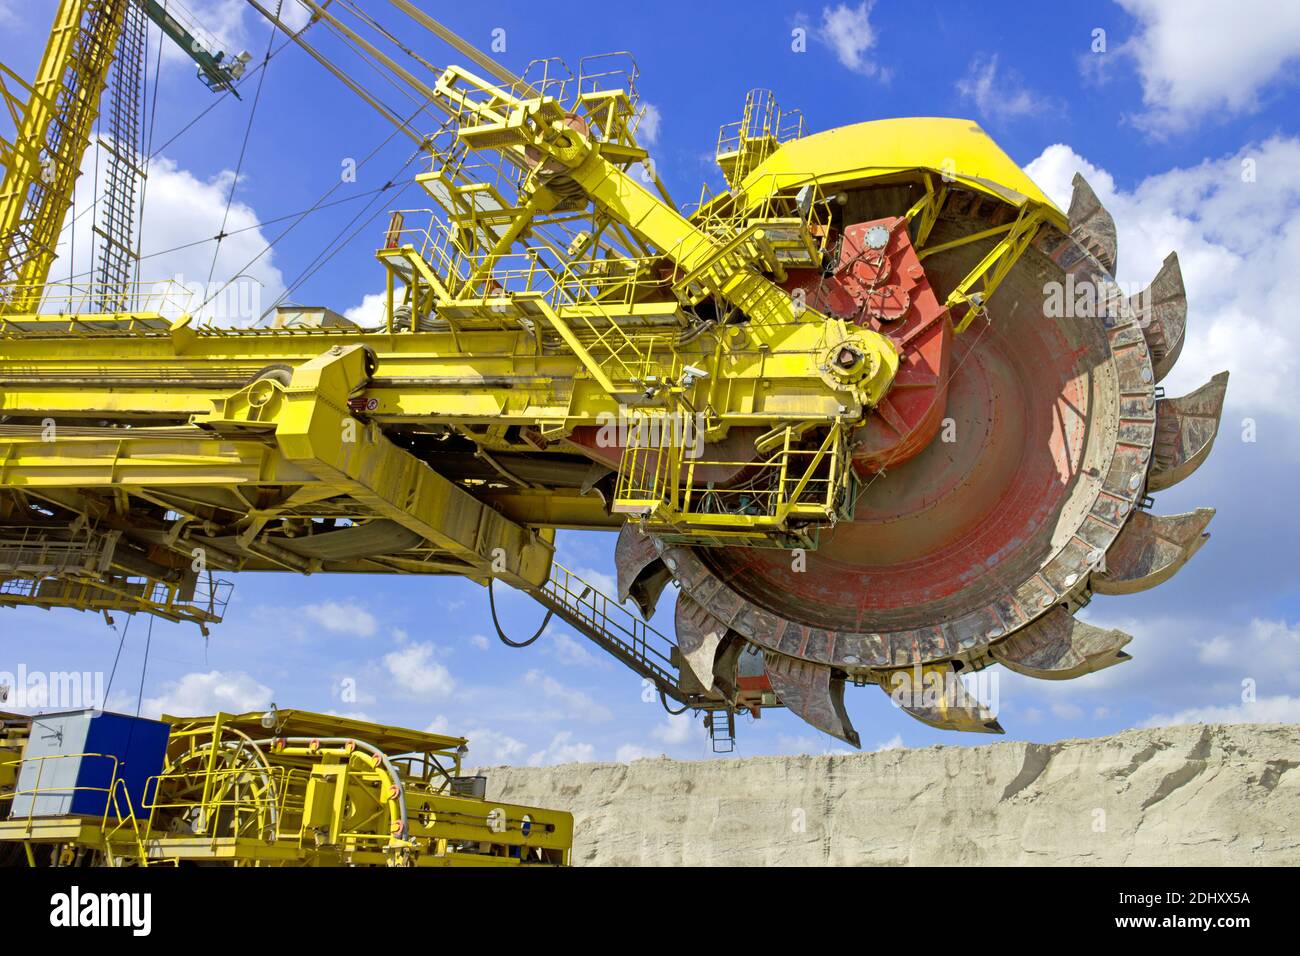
(52, 136)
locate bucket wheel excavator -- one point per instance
(879, 411)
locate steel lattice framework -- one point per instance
(556, 335)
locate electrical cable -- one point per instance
(663, 700)
(492, 604)
(384, 71)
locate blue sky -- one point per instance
(1164, 122)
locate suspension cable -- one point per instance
(242, 81)
(243, 148)
(121, 640)
(266, 222)
(144, 666)
(390, 183)
(334, 246)
(151, 124)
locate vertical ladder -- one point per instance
(720, 722)
(50, 142)
(116, 211)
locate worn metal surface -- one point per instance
(698, 637)
(1092, 225)
(861, 326)
(1162, 313)
(641, 575)
(887, 289)
(1054, 424)
(813, 692)
(980, 548)
(1151, 549)
(935, 695)
(1059, 647)
(1185, 431)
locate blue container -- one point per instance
(72, 759)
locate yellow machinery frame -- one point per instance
(552, 286)
(310, 790)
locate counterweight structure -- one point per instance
(834, 403)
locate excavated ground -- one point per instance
(1185, 795)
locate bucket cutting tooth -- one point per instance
(698, 635)
(642, 576)
(1150, 549)
(1058, 647)
(1091, 225)
(1161, 311)
(1185, 432)
(813, 692)
(935, 695)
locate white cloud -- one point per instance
(673, 732)
(487, 747)
(217, 24)
(480, 641)
(678, 729)
(848, 31)
(569, 651)
(1266, 649)
(1066, 710)
(293, 13)
(1280, 709)
(563, 749)
(342, 618)
(199, 694)
(370, 314)
(997, 94)
(575, 703)
(1217, 650)
(647, 131)
(1186, 668)
(893, 743)
(350, 715)
(1196, 58)
(180, 213)
(415, 669)
(441, 725)
(491, 746)
(601, 581)
(1237, 239)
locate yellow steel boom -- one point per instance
(562, 346)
